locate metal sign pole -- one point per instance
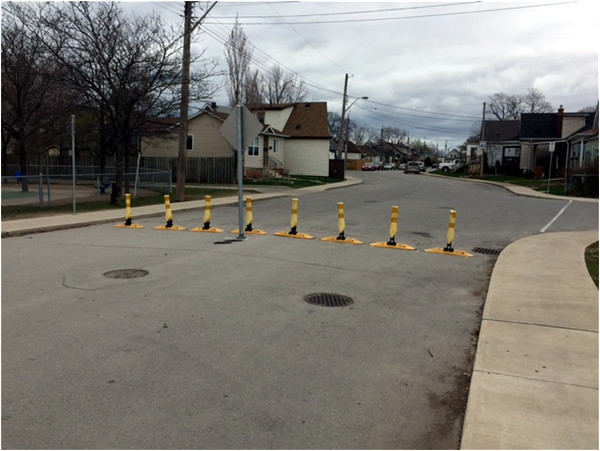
(240, 170)
(73, 161)
(551, 147)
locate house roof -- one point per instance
(502, 130)
(539, 126)
(308, 120)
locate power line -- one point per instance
(459, 13)
(342, 13)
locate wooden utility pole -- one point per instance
(185, 99)
(188, 28)
(482, 161)
(341, 138)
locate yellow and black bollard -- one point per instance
(391, 244)
(169, 217)
(249, 218)
(449, 249)
(293, 233)
(128, 216)
(206, 226)
(341, 238)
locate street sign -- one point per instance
(251, 127)
(551, 146)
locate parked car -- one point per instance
(421, 166)
(377, 166)
(412, 166)
(389, 167)
(449, 165)
(367, 167)
(402, 166)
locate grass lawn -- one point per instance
(557, 187)
(65, 206)
(591, 260)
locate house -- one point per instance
(529, 143)
(294, 139)
(161, 136)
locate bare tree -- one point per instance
(504, 106)
(283, 88)
(252, 88)
(127, 68)
(32, 94)
(534, 101)
(238, 54)
(393, 135)
(334, 121)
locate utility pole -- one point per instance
(188, 28)
(185, 99)
(482, 161)
(341, 139)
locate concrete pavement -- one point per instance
(535, 378)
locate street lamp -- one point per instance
(343, 145)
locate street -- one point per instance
(216, 348)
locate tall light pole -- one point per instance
(345, 149)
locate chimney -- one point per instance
(559, 121)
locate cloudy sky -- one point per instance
(426, 67)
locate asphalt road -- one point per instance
(216, 348)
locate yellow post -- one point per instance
(450, 235)
(206, 225)
(341, 238)
(294, 217)
(128, 216)
(393, 225)
(249, 217)
(169, 217)
(449, 249)
(341, 221)
(168, 213)
(391, 244)
(293, 233)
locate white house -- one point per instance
(295, 138)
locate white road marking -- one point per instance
(547, 226)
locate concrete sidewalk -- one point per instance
(535, 377)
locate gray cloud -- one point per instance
(444, 66)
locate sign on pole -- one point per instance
(239, 130)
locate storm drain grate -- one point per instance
(328, 299)
(486, 251)
(126, 273)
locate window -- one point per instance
(253, 148)
(275, 146)
(189, 145)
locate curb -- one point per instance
(20, 227)
(519, 190)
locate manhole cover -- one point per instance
(486, 251)
(328, 299)
(126, 273)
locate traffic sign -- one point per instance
(251, 127)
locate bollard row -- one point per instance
(294, 233)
